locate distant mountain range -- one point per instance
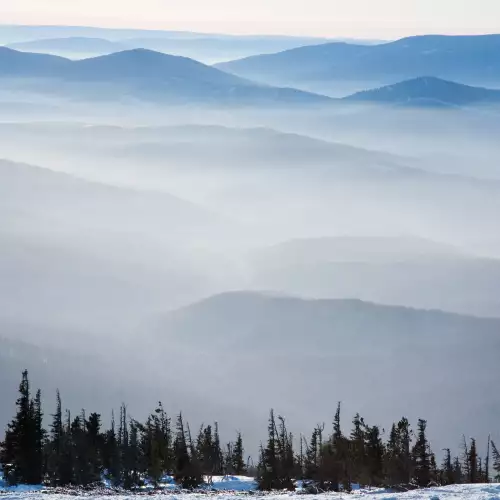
(157, 77)
(143, 74)
(470, 59)
(428, 91)
(207, 49)
(79, 41)
(12, 33)
(76, 46)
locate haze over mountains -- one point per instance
(181, 218)
(429, 91)
(77, 42)
(465, 59)
(143, 74)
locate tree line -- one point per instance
(76, 450)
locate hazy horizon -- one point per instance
(387, 19)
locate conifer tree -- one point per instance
(341, 452)
(487, 462)
(422, 456)
(268, 464)
(94, 445)
(311, 460)
(217, 452)
(55, 446)
(448, 472)
(135, 459)
(39, 464)
(237, 459)
(21, 451)
(358, 452)
(457, 471)
(473, 462)
(398, 462)
(435, 473)
(111, 454)
(374, 450)
(285, 456)
(495, 453)
(66, 474)
(78, 452)
(465, 459)
(187, 470)
(165, 439)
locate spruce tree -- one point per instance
(465, 460)
(422, 456)
(66, 473)
(341, 452)
(165, 439)
(55, 445)
(94, 446)
(311, 460)
(448, 472)
(495, 453)
(405, 439)
(457, 471)
(187, 470)
(237, 458)
(487, 462)
(21, 451)
(111, 454)
(217, 451)
(473, 462)
(39, 464)
(358, 452)
(135, 459)
(268, 462)
(374, 458)
(285, 456)
(81, 471)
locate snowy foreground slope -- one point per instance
(456, 492)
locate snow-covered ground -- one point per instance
(234, 487)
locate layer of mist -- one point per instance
(234, 242)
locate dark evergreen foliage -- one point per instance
(78, 451)
(495, 453)
(21, 452)
(422, 456)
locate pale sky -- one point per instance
(335, 18)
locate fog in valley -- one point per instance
(209, 240)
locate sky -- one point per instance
(336, 18)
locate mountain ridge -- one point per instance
(145, 74)
(428, 90)
(452, 57)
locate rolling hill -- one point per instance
(142, 74)
(200, 147)
(71, 46)
(462, 58)
(378, 359)
(428, 91)
(27, 65)
(389, 270)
